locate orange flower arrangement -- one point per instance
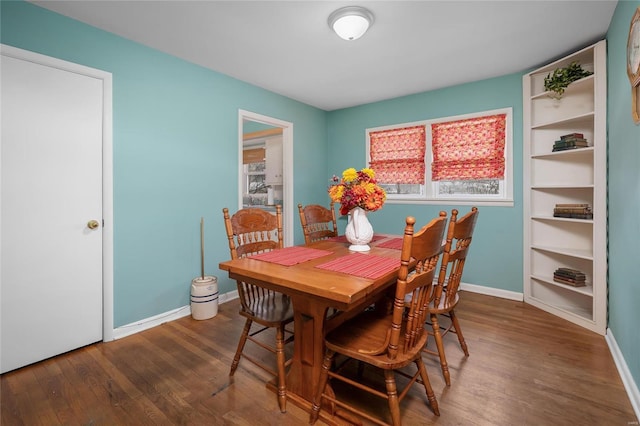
(357, 189)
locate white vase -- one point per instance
(359, 231)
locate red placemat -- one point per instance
(343, 238)
(291, 255)
(362, 265)
(394, 243)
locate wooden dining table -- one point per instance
(317, 277)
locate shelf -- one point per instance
(577, 253)
(583, 84)
(566, 153)
(562, 219)
(569, 311)
(562, 186)
(586, 290)
(568, 120)
(558, 170)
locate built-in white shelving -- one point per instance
(576, 176)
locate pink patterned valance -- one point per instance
(397, 155)
(469, 149)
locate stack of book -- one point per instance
(570, 141)
(571, 277)
(573, 211)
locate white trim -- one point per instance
(107, 169)
(287, 166)
(174, 314)
(627, 379)
(490, 291)
(229, 296)
(478, 203)
(147, 323)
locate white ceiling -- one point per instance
(413, 46)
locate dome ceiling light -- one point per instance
(351, 22)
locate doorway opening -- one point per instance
(265, 160)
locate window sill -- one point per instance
(452, 202)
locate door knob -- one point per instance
(93, 224)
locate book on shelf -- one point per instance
(572, 135)
(567, 148)
(572, 277)
(576, 210)
(583, 209)
(569, 278)
(573, 211)
(570, 282)
(560, 144)
(574, 215)
(572, 204)
(571, 273)
(570, 141)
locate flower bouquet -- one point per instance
(357, 189)
(357, 192)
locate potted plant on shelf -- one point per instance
(557, 81)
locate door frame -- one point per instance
(107, 169)
(287, 166)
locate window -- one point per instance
(464, 159)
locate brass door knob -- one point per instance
(93, 224)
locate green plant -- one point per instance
(559, 79)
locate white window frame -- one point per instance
(429, 190)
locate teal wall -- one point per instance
(175, 148)
(624, 194)
(497, 242)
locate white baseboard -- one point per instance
(147, 323)
(228, 296)
(627, 379)
(489, 291)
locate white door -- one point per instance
(51, 179)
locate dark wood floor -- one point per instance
(526, 368)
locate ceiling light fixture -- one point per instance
(351, 22)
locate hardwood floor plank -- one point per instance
(31, 404)
(9, 405)
(526, 367)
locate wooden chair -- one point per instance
(389, 339)
(251, 231)
(318, 222)
(445, 295)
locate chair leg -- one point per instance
(243, 340)
(280, 359)
(324, 378)
(427, 386)
(392, 395)
(440, 345)
(458, 331)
